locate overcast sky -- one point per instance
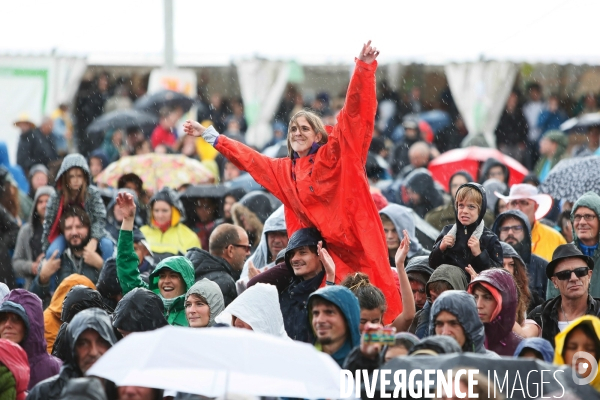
(322, 30)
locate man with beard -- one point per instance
(513, 227)
(75, 226)
(88, 336)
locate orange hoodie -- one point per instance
(52, 321)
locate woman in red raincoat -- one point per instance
(323, 182)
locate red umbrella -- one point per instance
(470, 160)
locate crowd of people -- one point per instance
(331, 249)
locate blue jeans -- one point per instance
(107, 247)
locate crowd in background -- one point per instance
(76, 262)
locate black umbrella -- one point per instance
(123, 119)
(511, 373)
(426, 233)
(572, 178)
(152, 103)
(204, 191)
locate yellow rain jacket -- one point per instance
(560, 343)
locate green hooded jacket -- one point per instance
(129, 277)
(592, 201)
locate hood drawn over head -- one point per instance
(140, 310)
(178, 264)
(34, 343)
(504, 284)
(403, 218)
(258, 306)
(211, 292)
(56, 303)
(524, 248)
(15, 359)
(72, 161)
(540, 345)
(275, 223)
(590, 200)
(92, 318)
(347, 302)
(451, 274)
(462, 305)
(80, 298)
(489, 164)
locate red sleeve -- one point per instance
(356, 120)
(264, 170)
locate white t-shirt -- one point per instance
(562, 325)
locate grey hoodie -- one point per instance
(275, 223)
(23, 255)
(93, 204)
(403, 218)
(212, 293)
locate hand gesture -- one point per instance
(327, 262)
(252, 270)
(402, 251)
(473, 244)
(91, 257)
(368, 54)
(368, 349)
(193, 128)
(49, 267)
(447, 242)
(127, 205)
(471, 272)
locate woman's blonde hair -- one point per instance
(315, 123)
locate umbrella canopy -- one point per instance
(204, 191)
(216, 361)
(572, 178)
(244, 181)
(521, 383)
(470, 159)
(581, 123)
(157, 171)
(152, 103)
(123, 119)
(437, 119)
(426, 233)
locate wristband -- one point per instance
(329, 283)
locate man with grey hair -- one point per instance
(39, 145)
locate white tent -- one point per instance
(35, 86)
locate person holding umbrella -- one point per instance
(323, 184)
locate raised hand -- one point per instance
(327, 262)
(368, 54)
(402, 251)
(471, 272)
(252, 270)
(193, 128)
(127, 205)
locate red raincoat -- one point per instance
(329, 190)
(15, 359)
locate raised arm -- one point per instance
(403, 321)
(356, 120)
(127, 260)
(264, 170)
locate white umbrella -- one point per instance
(216, 361)
(581, 123)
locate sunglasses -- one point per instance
(566, 275)
(242, 246)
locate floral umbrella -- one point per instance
(157, 171)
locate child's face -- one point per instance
(75, 178)
(468, 212)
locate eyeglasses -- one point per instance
(566, 275)
(246, 247)
(587, 217)
(516, 228)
